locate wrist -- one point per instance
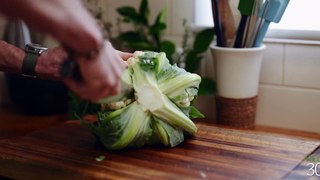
(32, 54)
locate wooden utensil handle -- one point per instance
(227, 21)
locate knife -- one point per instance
(70, 69)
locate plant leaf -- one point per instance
(130, 14)
(144, 11)
(203, 40)
(207, 87)
(175, 135)
(192, 61)
(159, 23)
(126, 11)
(140, 45)
(194, 113)
(81, 107)
(161, 18)
(157, 28)
(168, 47)
(100, 158)
(130, 36)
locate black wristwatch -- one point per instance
(32, 53)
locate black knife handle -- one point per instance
(70, 69)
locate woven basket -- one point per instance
(238, 113)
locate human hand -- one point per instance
(49, 64)
(68, 21)
(124, 55)
(100, 76)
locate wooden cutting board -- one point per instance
(69, 151)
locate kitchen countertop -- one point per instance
(68, 150)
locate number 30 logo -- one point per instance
(313, 170)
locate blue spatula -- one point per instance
(271, 11)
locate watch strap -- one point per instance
(29, 64)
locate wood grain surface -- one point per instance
(308, 169)
(13, 123)
(69, 151)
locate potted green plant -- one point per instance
(145, 35)
(148, 35)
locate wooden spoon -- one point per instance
(227, 22)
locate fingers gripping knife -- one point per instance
(70, 69)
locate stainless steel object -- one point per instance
(17, 33)
(29, 95)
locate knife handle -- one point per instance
(70, 69)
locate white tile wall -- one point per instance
(295, 108)
(302, 66)
(272, 64)
(289, 94)
(181, 9)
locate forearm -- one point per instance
(66, 20)
(11, 58)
